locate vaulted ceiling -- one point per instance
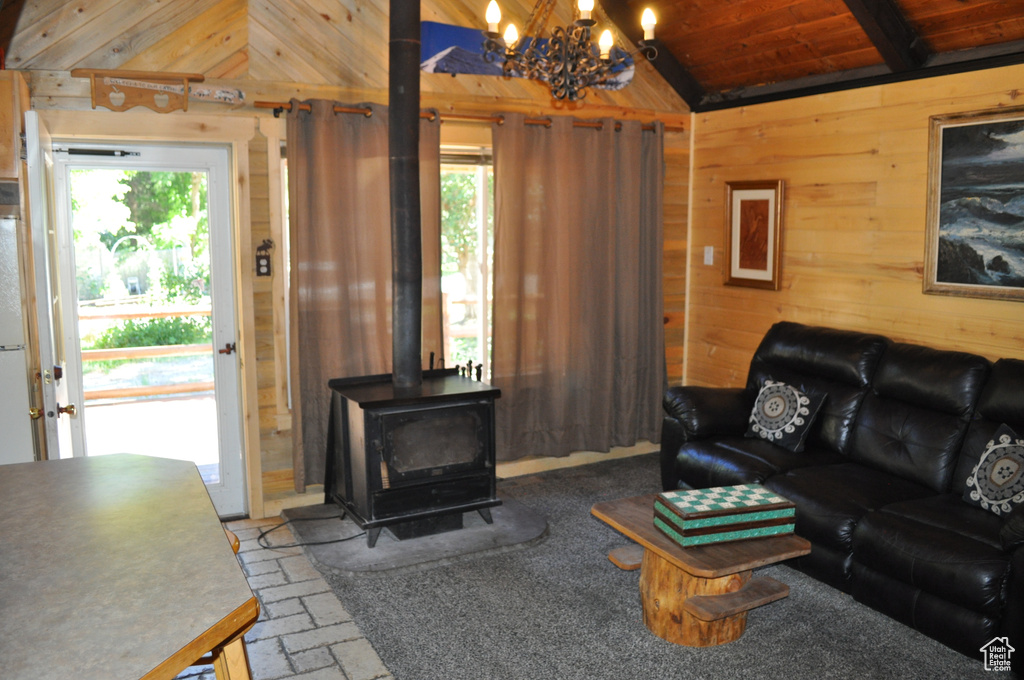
(725, 53)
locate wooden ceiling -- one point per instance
(725, 53)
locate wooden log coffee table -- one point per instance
(698, 596)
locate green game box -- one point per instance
(692, 517)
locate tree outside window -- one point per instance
(467, 239)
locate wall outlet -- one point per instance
(709, 255)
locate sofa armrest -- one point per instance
(698, 412)
(706, 411)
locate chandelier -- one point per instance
(567, 60)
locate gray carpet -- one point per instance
(513, 527)
(558, 609)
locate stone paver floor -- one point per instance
(304, 632)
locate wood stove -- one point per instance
(413, 450)
(414, 460)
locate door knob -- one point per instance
(35, 413)
(228, 348)
(69, 409)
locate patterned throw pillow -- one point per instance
(997, 481)
(783, 414)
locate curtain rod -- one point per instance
(278, 107)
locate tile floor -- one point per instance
(304, 632)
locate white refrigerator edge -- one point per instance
(16, 444)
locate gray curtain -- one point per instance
(340, 231)
(578, 338)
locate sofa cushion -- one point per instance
(825, 360)
(939, 545)
(997, 482)
(960, 628)
(1000, 403)
(731, 460)
(913, 421)
(783, 415)
(831, 499)
(849, 357)
(1012, 532)
(944, 381)
(1000, 400)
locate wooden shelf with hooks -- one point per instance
(121, 90)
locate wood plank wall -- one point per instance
(268, 309)
(274, 50)
(281, 44)
(674, 253)
(855, 165)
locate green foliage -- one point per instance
(458, 220)
(90, 286)
(189, 284)
(461, 247)
(165, 209)
(155, 197)
(154, 332)
(465, 349)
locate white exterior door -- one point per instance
(57, 411)
(167, 420)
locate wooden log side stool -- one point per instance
(697, 596)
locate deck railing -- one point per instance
(145, 353)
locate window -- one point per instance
(467, 242)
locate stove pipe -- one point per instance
(403, 147)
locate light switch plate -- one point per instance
(709, 255)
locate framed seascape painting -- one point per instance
(975, 230)
(753, 233)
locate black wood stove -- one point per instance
(412, 450)
(412, 461)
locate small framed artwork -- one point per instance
(753, 233)
(975, 221)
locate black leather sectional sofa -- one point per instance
(880, 481)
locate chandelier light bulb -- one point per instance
(493, 16)
(648, 21)
(605, 43)
(567, 59)
(511, 35)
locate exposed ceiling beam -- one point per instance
(627, 20)
(950, 63)
(899, 44)
(10, 10)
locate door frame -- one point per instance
(48, 349)
(214, 161)
(234, 132)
